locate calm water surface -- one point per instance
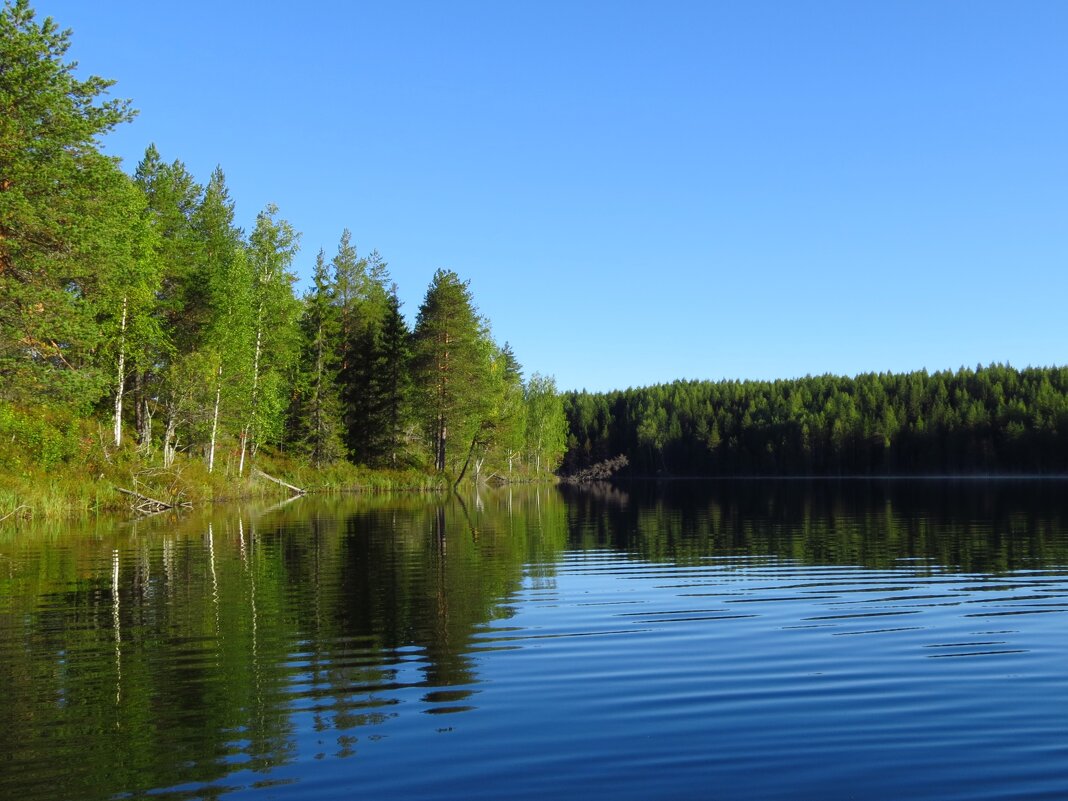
(683, 641)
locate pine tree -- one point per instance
(450, 366)
(58, 196)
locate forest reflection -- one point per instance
(967, 525)
(201, 651)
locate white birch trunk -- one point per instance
(169, 446)
(215, 420)
(121, 380)
(244, 442)
(250, 427)
(146, 427)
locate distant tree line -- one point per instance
(994, 419)
(136, 299)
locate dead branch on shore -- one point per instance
(290, 487)
(144, 505)
(15, 511)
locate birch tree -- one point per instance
(228, 287)
(129, 283)
(272, 247)
(172, 195)
(546, 423)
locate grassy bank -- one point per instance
(75, 490)
(55, 465)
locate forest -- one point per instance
(138, 322)
(994, 419)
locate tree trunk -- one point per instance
(121, 377)
(138, 394)
(317, 402)
(244, 442)
(439, 456)
(145, 433)
(250, 427)
(215, 420)
(467, 461)
(169, 446)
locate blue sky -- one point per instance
(644, 192)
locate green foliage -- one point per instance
(136, 303)
(393, 384)
(62, 204)
(272, 247)
(546, 430)
(316, 425)
(39, 439)
(364, 305)
(451, 368)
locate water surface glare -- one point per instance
(684, 641)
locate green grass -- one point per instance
(85, 483)
(55, 465)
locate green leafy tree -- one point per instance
(511, 434)
(272, 247)
(129, 285)
(546, 423)
(163, 384)
(228, 339)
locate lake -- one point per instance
(687, 640)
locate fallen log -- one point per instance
(297, 490)
(15, 511)
(144, 504)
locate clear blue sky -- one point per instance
(644, 192)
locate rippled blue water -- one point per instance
(726, 641)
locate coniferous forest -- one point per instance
(994, 419)
(137, 318)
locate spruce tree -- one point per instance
(392, 383)
(317, 420)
